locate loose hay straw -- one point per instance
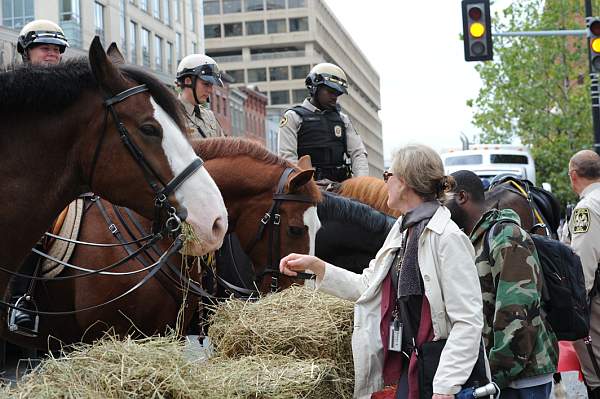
(297, 322)
(293, 344)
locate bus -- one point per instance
(490, 160)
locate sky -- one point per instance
(425, 81)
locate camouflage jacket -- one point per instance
(519, 342)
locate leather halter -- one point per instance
(161, 190)
(273, 218)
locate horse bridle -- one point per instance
(273, 218)
(161, 190)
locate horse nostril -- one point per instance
(218, 226)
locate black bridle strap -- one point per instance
(180, 178)
(124, 94)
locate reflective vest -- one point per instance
(322, 135)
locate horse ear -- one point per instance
(304, 162)
(107, 75)
(300, 179)
(115, 54)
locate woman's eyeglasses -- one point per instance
(387, 175)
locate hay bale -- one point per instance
(156, 368)
(297, 322)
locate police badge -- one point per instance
(581, 220)
(337, 130)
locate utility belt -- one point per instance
(333, 173)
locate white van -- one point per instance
(489, 160)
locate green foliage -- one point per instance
(537, 89)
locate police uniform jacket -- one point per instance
(451, 284)
(201, 119)
(584, 227)
(288, 139)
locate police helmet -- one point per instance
(329, 75)
(199, 66)
(41, 31)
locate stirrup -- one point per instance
(13, 327)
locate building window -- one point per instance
(192, 12)
(255, 5)
(299, 95)
(178, 46)
(212, 31)
(145, 47)
(177, 11)
(296, 3)
(218, 103)
(276, 26)
(156, 9)
(275, 4)
(169, 57)
(232, 6)
(194, 48)
(212, 7)
(280, 97)
(278, 73)
(234, 29)
(166, 10)
(99, 20)
(300, 71)
(70, 21)
(17, 13)
(144, 5)
(123, 27)
(133, 41)
(257, 75)
(298, 24)
(158, 53)
(255, 27)
(224, 106)
(237, 75)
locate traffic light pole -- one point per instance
(594, 89)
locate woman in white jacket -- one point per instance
(426, 264)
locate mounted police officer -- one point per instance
(318, 128)
(196, 75)
(41, 42)
(584, 228)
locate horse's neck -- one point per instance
(38, 181)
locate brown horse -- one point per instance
(368, 190)
(81, 126)
(247, 175)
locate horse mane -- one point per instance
(224, 147)
(52, 88)
(368, 190)
(336, 207)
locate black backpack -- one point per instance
(564, 298)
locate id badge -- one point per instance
(395, 338)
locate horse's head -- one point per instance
(256, 183)
(139, 157)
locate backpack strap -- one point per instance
(489, 237)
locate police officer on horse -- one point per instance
(318, 128)
(196, 76)
(41, 42)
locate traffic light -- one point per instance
(477, 30)
(594, 36)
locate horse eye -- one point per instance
(150, 130)
(296, 231)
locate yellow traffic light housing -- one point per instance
(477, 32)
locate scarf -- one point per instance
(409, 275)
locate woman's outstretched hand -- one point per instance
(294, 263)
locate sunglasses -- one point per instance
(387, 175)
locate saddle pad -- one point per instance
(63, 250)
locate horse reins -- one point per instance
(273, 218)
(173, 222)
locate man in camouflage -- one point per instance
(521, 347)
(584, 229)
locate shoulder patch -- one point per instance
(581, 220)
(283, 121)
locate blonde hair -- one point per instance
(423, 171)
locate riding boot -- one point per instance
(21, 321)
